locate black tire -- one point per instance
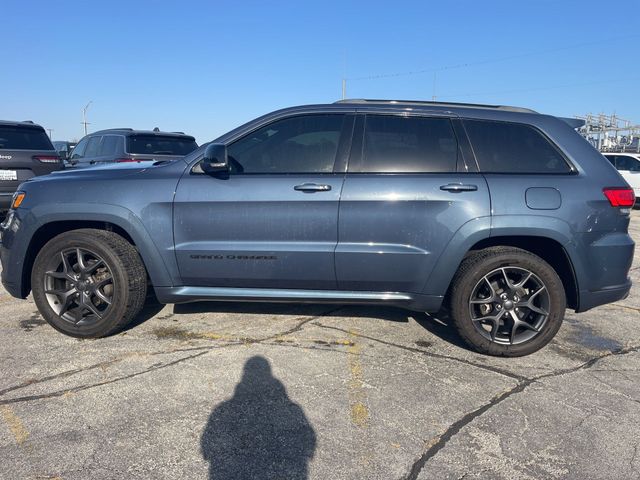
(465, 302)
(112, 257)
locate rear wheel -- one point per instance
(506, 301)
(88, 283)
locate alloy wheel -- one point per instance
(79, 286)
(509, 305)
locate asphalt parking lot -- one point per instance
(231, 390)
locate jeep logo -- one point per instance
(5, 157)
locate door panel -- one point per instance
(272, 222)
(257, 231)
(393, 228)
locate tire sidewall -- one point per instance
(115, 265)
(462, 290)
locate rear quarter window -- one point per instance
(503, 147)
(21, 138)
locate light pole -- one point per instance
(50, 130)
(84, 116)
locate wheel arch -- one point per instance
(550, 250)
(545, 237)
(129, 227)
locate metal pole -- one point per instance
(433, 97)
(84, 116)
(50, 130)
(344, 88)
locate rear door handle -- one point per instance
(312, 187)
(459, 187)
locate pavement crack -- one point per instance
(489, 368)
(64, 374)
(455, 427)
(296, 328)
(201, 351)
(60, 393)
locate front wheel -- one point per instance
(88, 283)
(506, 301)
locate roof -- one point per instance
(25, 123)
(131, 131)
(422, 103)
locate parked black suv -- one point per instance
(119, 145)
(25, 151)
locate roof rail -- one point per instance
(112, 129)
(179, 133)
(28, 121)
(437, 104)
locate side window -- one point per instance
(503, 147)
(628, 163)
(92, 148)
(78, 150)
(302, 144)
(612, 159)
(395, 144)
(109, 145)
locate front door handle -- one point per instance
(312, 187)
(459, 187)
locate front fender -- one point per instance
(16, 241)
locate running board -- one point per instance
(196, 294)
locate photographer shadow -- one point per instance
(259, 432)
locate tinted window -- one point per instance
(303, 144)
(109, 145)
(78, 151)
(21, 138)
(93, 147)
(503, 147)
(624, 162)
(612, 159)
(159, 145)
(395, 144)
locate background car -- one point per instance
(64, 148)
(127, 145)
(25, 151)
(628, 164)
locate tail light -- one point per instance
(47, 158)
(620, 196)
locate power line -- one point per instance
(535, 89)
(492, 60)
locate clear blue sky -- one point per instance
(205, 67)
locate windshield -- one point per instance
(20, 138)
(159, 145)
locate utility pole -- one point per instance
(50, 130)
(84, 116)
(433, 96)
(344, 88)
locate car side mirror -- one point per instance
(215, 159)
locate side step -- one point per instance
(195, 294)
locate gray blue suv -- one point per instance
(500, 215)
